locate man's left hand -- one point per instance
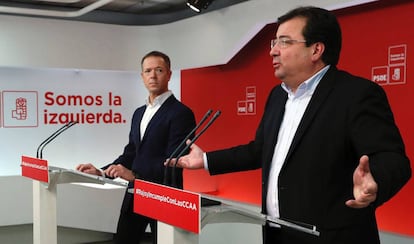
(365, 187)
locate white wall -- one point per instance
(208, 39)
(77, 206)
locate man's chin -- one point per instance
(278, 74)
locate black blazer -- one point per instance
(346, 118)
(168, 127)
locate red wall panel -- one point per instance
(369, 31)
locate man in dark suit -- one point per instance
(327, 143)
(157, 129)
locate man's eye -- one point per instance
(284, 41)
(156, 70)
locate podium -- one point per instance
(213, 211)
(45, 181)
(182, 214)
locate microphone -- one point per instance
(215, 116)
(173, 154)
(39, 153)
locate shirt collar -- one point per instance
(309, 85)
(160, 99)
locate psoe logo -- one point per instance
(20, 109)
(380, 74)
(248, 106)
(395, 72)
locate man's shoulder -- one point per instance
(173, 101)
(346, 75)
(354, 81)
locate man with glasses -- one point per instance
(327, 143)
(157, 129)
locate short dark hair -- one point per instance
(157, 54)
(321, 26)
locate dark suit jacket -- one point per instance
(169, 126)
(346, 118)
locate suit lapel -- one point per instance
(272, 125)
(140, 114)
(321, 93)
(157, 118)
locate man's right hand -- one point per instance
(193, 160)
(89, 169)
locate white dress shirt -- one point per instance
(151, 109)
(294, 109)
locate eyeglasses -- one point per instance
(284, 42)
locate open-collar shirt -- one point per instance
(294, 109)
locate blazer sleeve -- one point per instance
(128, 155)
(252, 155)
(375, 133)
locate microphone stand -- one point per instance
(173, 173)
(173, 154)
(39, 153)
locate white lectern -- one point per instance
(45, 180)
(213, 210)
(181, 214)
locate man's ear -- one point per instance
(318, 50)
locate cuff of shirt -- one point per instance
(102, 173)
(205, 161)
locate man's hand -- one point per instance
(193, 160)
(118, 170)
(365, 187)
(89, 169)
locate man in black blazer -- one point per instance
(157, 129)
(327, 143)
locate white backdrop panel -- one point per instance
(36, 102)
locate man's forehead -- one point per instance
(291, 27)
(153, 61)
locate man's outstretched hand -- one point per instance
(365, 187)
(193, 160)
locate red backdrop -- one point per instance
(376, 39)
